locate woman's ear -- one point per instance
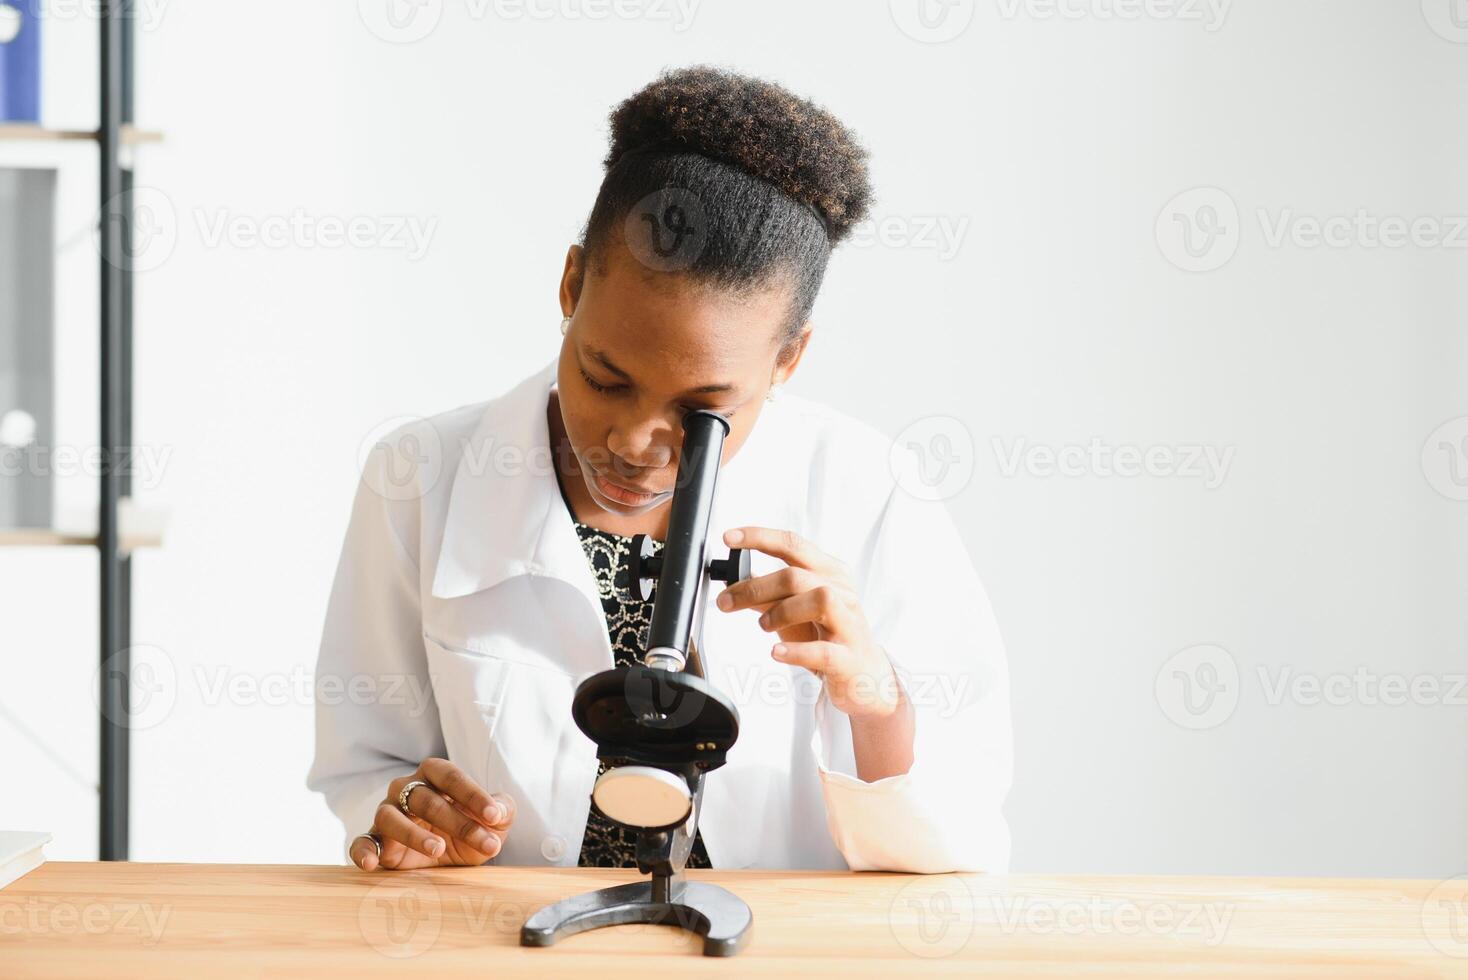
(573, 276)
(791, 354)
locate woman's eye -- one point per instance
(594, 384)
(728, 415)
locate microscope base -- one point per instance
(717, 914)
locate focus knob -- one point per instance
(643, 567)
(733, 569)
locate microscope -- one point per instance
(661, 726)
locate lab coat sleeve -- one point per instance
(929, 611)
(376, 718)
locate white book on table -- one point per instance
(20, 852)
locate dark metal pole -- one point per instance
(113, 590)
(127, 15)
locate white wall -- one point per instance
(1049, 145)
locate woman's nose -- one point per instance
(640, 446)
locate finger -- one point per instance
(507, 804)
(453, 820)
(394, 826)
(454, 782)
(364, 854)
(493, 843)
(785, 545)
(818, 656)
(759, 593)
(395, 854)
(852, 687)
(824, 606)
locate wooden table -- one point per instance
(213, 921)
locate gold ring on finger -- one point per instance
(406, 792)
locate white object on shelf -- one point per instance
(20, 853)
(140, 526)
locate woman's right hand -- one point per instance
(453, 822)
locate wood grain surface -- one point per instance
(211, 921)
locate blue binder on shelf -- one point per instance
(20, 61)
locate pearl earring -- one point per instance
(565, 325)
(770, 395)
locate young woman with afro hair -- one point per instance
(862, 654)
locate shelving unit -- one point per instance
(114, 542)
(40, 537)
(127, 135)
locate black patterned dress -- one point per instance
(607, 844)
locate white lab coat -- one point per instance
(462, 574)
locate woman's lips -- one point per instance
(622, 494)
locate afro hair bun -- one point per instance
(753, 125)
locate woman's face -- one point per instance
(646, 347)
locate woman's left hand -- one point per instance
(813, 605)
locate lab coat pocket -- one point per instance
(507, 713)
(470, 689)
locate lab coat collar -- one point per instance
(503, 498)
(506, 515)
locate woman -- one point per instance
(483, 571)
